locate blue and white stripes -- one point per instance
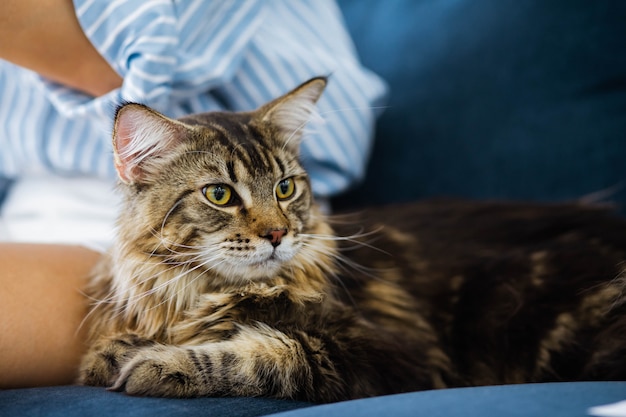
(191, 56)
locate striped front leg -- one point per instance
(256, 361)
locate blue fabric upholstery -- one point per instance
(525, 400)
(495, 98)
(489, 98)
(71, 401)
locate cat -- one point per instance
(226, 279)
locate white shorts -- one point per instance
(53, 209)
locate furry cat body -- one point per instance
(227, 280)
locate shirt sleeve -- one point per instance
(165, 51)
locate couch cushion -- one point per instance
(495, 98)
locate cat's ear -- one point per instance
(143, 140)
(288, 114)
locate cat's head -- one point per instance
(218, 191)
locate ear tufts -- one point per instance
(142, 139)
(291, 112)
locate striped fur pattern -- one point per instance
(226, 280)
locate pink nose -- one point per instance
(275, 236)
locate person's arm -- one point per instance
(41, 311)
(45, 36)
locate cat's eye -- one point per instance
(219, 194)
(285, 189)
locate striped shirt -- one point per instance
(191, 56)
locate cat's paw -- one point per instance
(102, 364)
(160, 373)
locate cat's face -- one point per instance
(222, 191)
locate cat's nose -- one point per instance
(274, 235)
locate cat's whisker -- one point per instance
(96, 304)
(620, 281)
(337, 278)
(167, 215)
(169, 281)
(342, 109)
(293, 135)
(352, 239)
(151, 279)
(175, 256)
(356, 235)
(194, 279)
(234, 149)
(172, 255)
(149, 258)
(163, 241)
(346, 264)
(352, 218)
(320, 117)
(309, 257)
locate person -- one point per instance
(64, 67)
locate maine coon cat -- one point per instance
(226, 279)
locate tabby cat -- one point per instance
(227, 280)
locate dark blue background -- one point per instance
(517, 99)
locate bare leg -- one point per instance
(41, 309)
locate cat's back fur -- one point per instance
(514, 292)
(226, 279)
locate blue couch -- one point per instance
(516, 99)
